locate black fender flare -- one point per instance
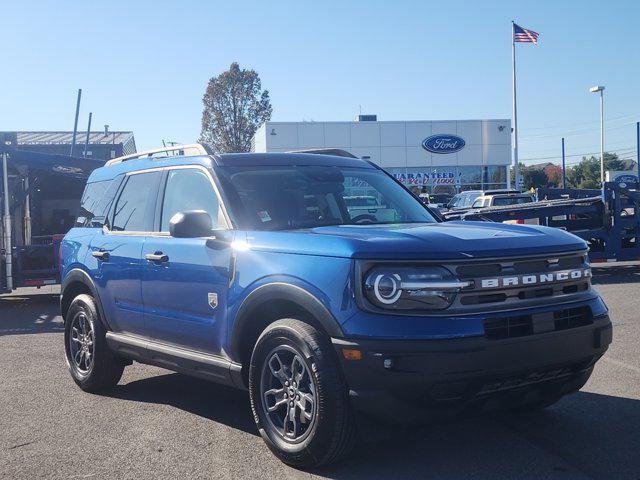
(78, 275)
(278, 291)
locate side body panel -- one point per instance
(118, 280)
(326, 279)
(185, 298)
(75, 249)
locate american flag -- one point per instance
(523, 35)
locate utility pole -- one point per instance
(86, 141)
(75, 123)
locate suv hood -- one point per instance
(448, 240)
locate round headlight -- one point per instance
(386, 288)
(411, 288)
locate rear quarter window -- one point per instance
(95, 203)
(133, 210)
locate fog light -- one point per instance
(351, 354)
(388, 363)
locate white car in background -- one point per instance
(368, 206)
(506, 199)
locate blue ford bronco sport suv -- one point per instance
(252, 271)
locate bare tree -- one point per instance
(234, 107)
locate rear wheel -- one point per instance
(298, 396)
(90, 361)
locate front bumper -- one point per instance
(407, 378)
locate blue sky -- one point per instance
(144, 65)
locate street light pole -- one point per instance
(602, 135)
(601, 90)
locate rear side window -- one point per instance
(188, 189)
(503, 201)
(133, 211)
(95, 203)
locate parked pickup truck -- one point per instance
(251, 270)
(493, 199)
(369, 207)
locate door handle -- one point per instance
(157, 257)
(100, 255)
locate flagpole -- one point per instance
(516, 169)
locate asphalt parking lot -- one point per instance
(158, 424)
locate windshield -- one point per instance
(292, 197)
(456, 200)
(503, 201)
(470, 198)
(464, 199)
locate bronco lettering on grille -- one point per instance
(535, 279)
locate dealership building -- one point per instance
(443, 156)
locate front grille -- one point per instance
(572, 318)
(524, 380)
(455, 391)
(524, 293)
(523, 325)
(537, 281)
(509, 327)
(521, 266)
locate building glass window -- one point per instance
(451, 180)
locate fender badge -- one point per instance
(213, 299)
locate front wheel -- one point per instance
(298, 396)
(92, 365)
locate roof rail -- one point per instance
(182, 150)
(338, 152)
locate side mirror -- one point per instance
(191, 224)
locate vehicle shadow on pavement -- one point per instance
(585, 435)
(38, 313)
(219, 403)
(612, 275)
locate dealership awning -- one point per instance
(59, 164)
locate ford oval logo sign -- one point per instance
(443, 144)
(626, 179)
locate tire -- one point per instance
(96, 368)
(323, 430)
